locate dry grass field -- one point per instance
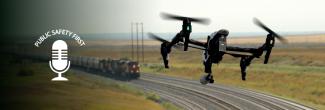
(297, 73)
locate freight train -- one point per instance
(121, 68)
(115, 68)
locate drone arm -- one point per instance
(269, 43)
(175, 40)
(236, 55)
(194, 44)
(198, 43)
(196, 47)
(239, 49)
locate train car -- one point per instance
(105, 65)
(93, 63)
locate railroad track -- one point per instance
(205, 100)
(191, 95)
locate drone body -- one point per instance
(216, 46)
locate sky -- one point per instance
(115, 16)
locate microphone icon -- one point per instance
(59, 63)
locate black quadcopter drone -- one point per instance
(216, 45)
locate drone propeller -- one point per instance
(204, 21)
(260, 24)
(155, 37)
(270, 39)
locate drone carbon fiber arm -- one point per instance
(240, 49)
(198, 43)
(242, 52)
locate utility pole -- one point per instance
(132, 51)
(142, 43)
(137, 41)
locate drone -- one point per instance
(216, 45)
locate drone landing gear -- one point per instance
(165, 50)
(208, 78)
(244, 62)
